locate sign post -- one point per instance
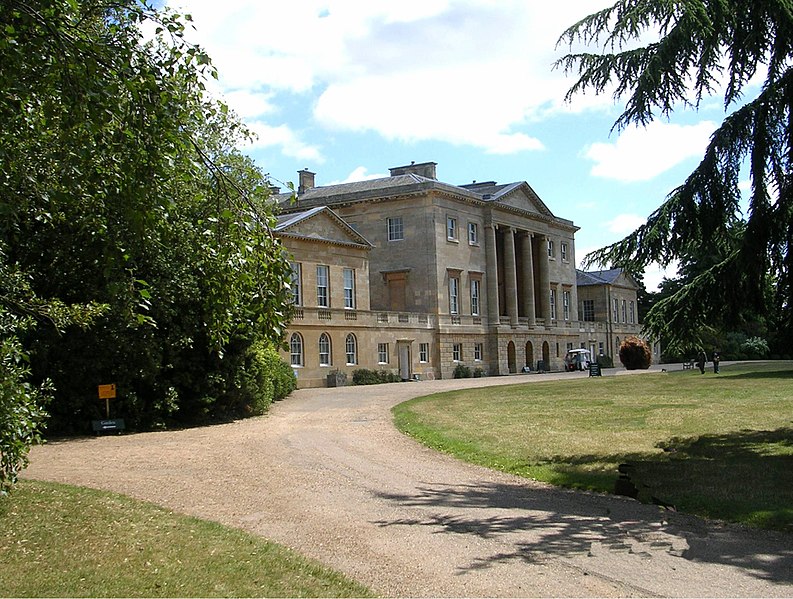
(108, 392)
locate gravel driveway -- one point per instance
(327, 474)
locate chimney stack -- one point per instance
(423, 169)
(305, 181)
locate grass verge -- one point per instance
(63, 541)
(720, 446)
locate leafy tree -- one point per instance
(698, 46)
(635, 354)
(120, 188)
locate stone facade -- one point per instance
(481, 275)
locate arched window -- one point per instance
(296, 349)
(324, 350)
(351, 347)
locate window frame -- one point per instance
(457, 352)
(323, 291)
(296, 283)
(566, 304)
(454, 295)
(350, 341)
(473, 233)
(395, 228)
(382, 353)
(296, 337)
(328, 359)
(551, 250)
(349, 291)
(552, 300)
(424, 353)
(590, 312)
(563, 251)
(475, 296)
(451, 228)
(478, 352)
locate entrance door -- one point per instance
(403, 350)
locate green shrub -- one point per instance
(605, 361)
(364, 376)
(478, 373)
(461, 371)
(635, 354)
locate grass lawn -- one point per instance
(63, 541)
(720, 446)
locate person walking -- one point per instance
(701, 359)
(716, 360)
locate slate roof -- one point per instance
(372, 188)
(597, 277)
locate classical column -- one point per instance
(510, 276)
(545, 279)
(528, 278)
(491, 275)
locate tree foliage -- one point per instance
(635, 354)
(699, 48)
(125, 204)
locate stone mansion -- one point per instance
(416, 276)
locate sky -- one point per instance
(348, 89)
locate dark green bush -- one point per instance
(364, 376)
(478, 373)
(635, 354)
(605, 361)
(461, 371)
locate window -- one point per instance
(589, 310)
(550, 248)
(454, 295)
(382, 353)
(323, 274)
(563, 251)
(624, 311)
(475, 283)
(615, 312)
(351, 349)
(296, 284)
(473, 234)
(569, 346)
(553, 304)
(566, 304)
(600, 347)
(349, 288)
(324, 350)
(451, 228)
(457, 352)
(632, 313)
(478, 347)
(296, 350)
(424, 352)
(395, 230)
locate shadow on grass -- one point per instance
(765, 374)
(534, 524)
(746, 475)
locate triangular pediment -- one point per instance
(523, 197)
(321, 224)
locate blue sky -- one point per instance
(349, 88)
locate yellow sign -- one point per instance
(107, 391)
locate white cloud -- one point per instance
(641, 154)
(654, 274)
(282, 136)
(359, 174)
(467, 72)
(623, 224)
